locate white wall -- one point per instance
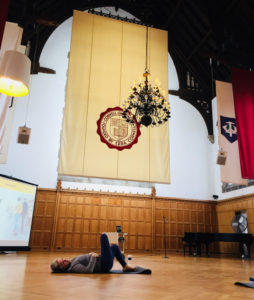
(191, 153)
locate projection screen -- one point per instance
(17, 199)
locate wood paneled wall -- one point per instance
(226, 211)
(82, 217)
(43, 220)
(72, 220)
(182, 216)
(66, 220)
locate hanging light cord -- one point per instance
(146, 46)
(212, 76)
(28, 101)
(32, 70)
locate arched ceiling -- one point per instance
(205, 37)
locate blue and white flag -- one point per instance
(228, 128)
(231, 171)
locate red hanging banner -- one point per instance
(243, 90)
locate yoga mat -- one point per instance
(249, 284)
(138, 270)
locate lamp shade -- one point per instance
(15, 74)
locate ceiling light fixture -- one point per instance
(146, 102)
(15, 74)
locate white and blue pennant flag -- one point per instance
(227, 130)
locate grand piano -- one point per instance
(196, 239)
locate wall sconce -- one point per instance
(15, 74)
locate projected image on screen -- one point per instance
(16, 211)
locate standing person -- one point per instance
(93, 262)
(17, 216)
(24, 214)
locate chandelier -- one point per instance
(146, 102)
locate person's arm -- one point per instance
(84, 264)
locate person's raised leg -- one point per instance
(107, 257)
(119, 256)
(108, 253)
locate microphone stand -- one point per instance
(165, 244)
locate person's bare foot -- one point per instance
(128, 268)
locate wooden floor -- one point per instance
(27, 276)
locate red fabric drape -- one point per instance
(3, 17)
(243, 90)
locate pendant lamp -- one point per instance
(15, 74)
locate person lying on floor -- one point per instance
(93, 262)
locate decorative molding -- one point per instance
(116, 194)
(235, 198)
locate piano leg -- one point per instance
(207, 249)
(199, 252)
(190, 248)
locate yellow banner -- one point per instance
(106, 57)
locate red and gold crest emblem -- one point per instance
(115, 131)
